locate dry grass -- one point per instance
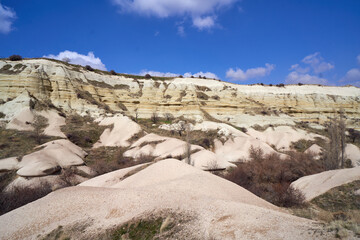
(20, 196)
(82, 131)
(201, 138)
(338, 208)
(107, 159)
(15, 143)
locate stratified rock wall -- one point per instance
(73, 88)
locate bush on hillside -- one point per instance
(269, 177)
(20, 196)
(15, 57)
(89, 68)
(147, 76)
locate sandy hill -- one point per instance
(213, 207)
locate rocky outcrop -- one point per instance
(73, 88)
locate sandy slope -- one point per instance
(282, 137)
(317, 184)
(217, 208)
(51, 157)
(123, 129)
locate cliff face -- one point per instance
(73, 88)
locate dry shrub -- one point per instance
(269, 177)
(20, 196)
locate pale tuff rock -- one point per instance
(237, 149)
(316, 149)
(282, 137)
(171, 186)
(72, 88)
(352, 152)
(110, 179)
(317, 184)
(54, 121)
(207, 160)
(123, 129)
(53, 156)
(8, 164)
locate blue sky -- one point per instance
(243, 41)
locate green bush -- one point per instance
(15, 57)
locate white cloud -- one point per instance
(158, 74)
(299, 69)
(7, 16)
(352, 77)
(169, 74)
(196, 9)
(240, 75)
(202, 74)
(317, 63)
(204, 22)
(296, 77)
(181, 31)
(77, 58)
(306, 72)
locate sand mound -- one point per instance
(53, 156)
(207, 160)
(222, 128)
(22, 121)
(8, 164)
(282, 137)
(112, 178)
(315, 149)
(217, 208)
(55, 121)
(123, 129)
(317, 184)
(236, 149)
(352, 152)
(165, 147)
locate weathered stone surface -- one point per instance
(73, 88)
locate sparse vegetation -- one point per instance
(20, 196)
(202, 96)
(2, 115)
(15, 57)
(146, 229)
(154, 117)
(15, 143)
(169, 117)
(106, 159)
(82, 131)
(39, 124)
(339, 209)
(89, 68)
(88, 97)
(269, 177)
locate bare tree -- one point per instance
(182, 127)
(154, 117)
(136, 115)
(188, 146)
(66, 59)
(334, 152)
(168, 116)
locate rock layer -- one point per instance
(72, 88)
